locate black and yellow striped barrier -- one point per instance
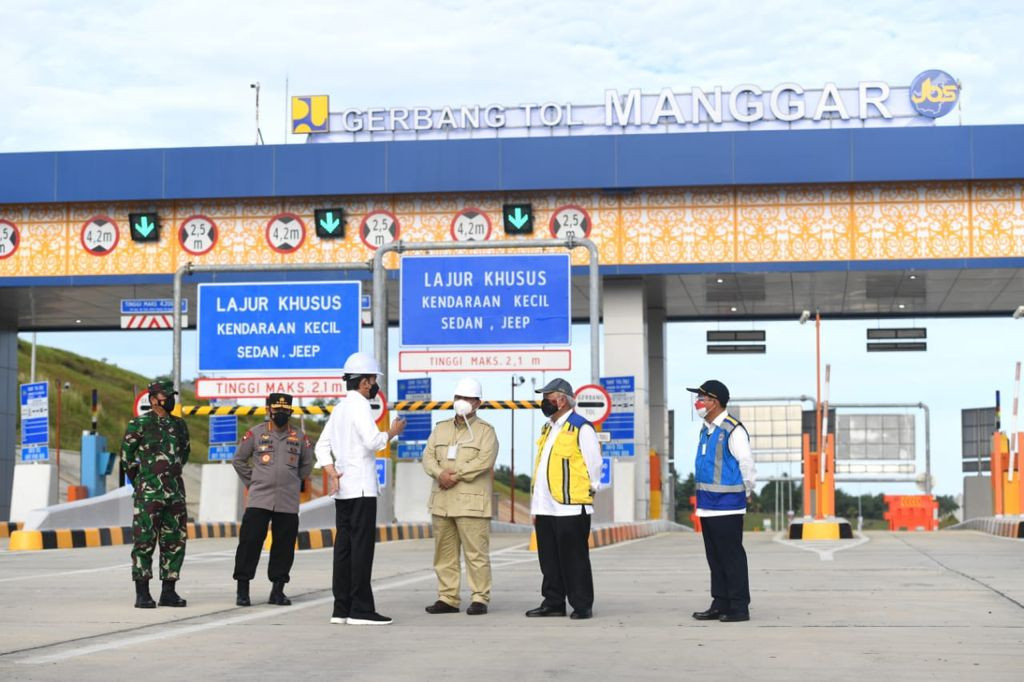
(8, 527)
(70, 538)
(320, 538)
(400, 406)
(212, 530)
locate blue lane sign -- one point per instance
(606, 471)
(35, 422)
(418, 424)
(485, 300)
(280, 326)
(221, 453)
(223, 429)
(620, 424)
(151, 306)
(364, 302)
(382, 471)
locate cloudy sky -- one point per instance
(95, 75)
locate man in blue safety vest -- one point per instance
(725, 476)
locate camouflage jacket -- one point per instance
(153, 454)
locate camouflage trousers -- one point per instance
(163, 522)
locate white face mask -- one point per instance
(462, 407)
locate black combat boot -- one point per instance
(277, 595)
(143, 599)
(168, 597)
(242, 596)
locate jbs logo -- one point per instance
(934, 93)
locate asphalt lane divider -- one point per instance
(73, 538)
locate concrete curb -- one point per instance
(1011, 527)
(8, 527)
(73, 538)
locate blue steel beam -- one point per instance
(613, 162)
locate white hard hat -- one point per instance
(361, 363)
(468, 388)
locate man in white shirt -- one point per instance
(347, 451)
(725, 476)
(566, 474)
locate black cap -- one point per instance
(166, 387)
(714, 388)
(279, 400)
(557, 386)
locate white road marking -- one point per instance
(825, 549)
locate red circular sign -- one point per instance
(570, 220)
(471, 225)
(141, 404)
(197, 234)
(379, 228)
(285, 233)
(99, 235)
(379, 407)
(9, 239)
(593, 403)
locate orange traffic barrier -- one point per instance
(912, 512)
(77, 492)
(694, 519)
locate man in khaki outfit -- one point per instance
(459, 457)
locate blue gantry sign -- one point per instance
(620, 424)
(280, 326)
(485, 300)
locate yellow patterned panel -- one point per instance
(797, 223)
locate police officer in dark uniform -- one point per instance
(272, 460)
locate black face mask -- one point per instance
(280, 418)
(548, 407)
(373, 391)
(167, 403)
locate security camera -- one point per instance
(1019, 312)
(804, 316)
(67, 385)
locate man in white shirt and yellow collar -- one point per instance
(725, 476)
(459, 456)
(566, 474)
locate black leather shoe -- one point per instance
(277, 595)
(710, 614)
(582, 614)
(441, 607)
(733, 617)
(477, 608)
(242, 594)
(143, 599)
(168, 597)
(545, 611)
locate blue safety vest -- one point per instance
(719, 481)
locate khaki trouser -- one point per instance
(473, 535)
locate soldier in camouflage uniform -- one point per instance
(153, 454)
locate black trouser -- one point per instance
(723, 545)
(284, 528)
(564, 553)
(356, 521)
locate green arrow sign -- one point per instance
(144, 227)
(518, 218)
(329, 222)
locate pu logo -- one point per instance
(934, 93)
(310, 114)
